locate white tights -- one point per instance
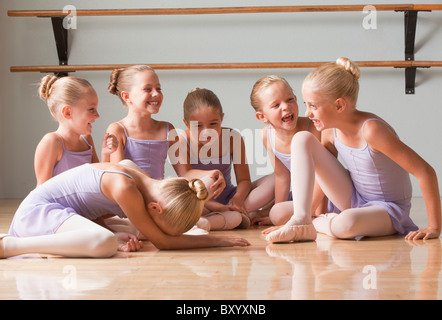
(76, 237)
(311, 160)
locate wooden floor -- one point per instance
(382, 268)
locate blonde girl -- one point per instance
(73, 103)
(141, 138)
(56, 217)
(373, 196)
(210, 146)
(276, 105)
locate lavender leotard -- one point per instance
(72, 159)
(283, 157)
(223, 164)
(75, 191)
(149, 155)
(378, 181)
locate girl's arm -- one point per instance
(381, 138)
(109, 145)
(282, 175)
(214, 206)
(47, 154)
(242, 173)
(178, 153)
(94, 151)
(282, 182)
(116, 131)
(124, 192)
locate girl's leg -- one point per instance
(281, 213)
(311, 160)
(225, 220)
(117, 224)
(262, 193)
(370, 221)
(76, 237)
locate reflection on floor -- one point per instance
(377, 268)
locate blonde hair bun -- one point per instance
(46, 83)
(349, 66)
(60, 91)
(199, 188)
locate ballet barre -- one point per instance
(61, 37)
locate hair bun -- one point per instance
(114, 81)
(349, 66)
(45, 88)
(199, 188)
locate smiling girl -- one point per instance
(141, 138)
(369, 197)
(276, 105)
(73, 103)
(210, 146)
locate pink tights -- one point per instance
(310, 161)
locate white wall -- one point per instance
(24, 119)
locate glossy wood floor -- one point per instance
(382, 268)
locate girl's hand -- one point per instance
(231, 241)
(271, 229)
(218, 186)
(427, 233)
(127, 242)
(109, 144)
(261, 221)
(236, 204)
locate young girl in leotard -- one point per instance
(372, 197)
(141, 138)
(73, 103)
(58, 216)
(210, 146)
(276, 105)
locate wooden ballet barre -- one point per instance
(201, 66)
(222, 10)
(61, 36)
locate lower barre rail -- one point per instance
(199, 66)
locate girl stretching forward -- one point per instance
(276, 105)
(57, 217)
(374, 195)
(208, 146)
(73, 103)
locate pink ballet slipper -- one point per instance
(245, 222)
(322, 223)
(204, 224)
(305, 232)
